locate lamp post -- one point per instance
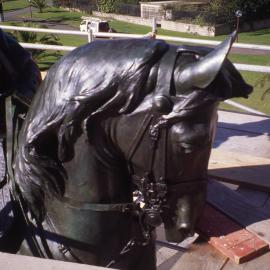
(154, 27)
(238, 14)
(30, 8)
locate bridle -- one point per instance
(152, 184)
(152, 187)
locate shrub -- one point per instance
(39, 4)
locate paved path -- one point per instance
(250, 51)
(16, 17)
(16, 14)
(243, 133)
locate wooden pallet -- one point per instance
(240, 169)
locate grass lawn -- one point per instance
(258, 37)
(256, 100)
(74, 19)
(60, 16)
(263, 60)
(11, 5)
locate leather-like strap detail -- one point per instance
(165, 72)
(139, 135)
(9, 140)
(100, 207)
(22, 98)
(3, 182)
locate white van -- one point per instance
(96, 25)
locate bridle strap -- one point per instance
(139, 135)
(165, 72)
(152, 188)
(114, 207)
(100, 207)
(183, 185)
(161, 179)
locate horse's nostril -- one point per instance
(186, 230)
(185, 226)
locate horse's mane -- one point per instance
(96, 78)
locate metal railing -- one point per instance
(90, 35)
(46, 47)
(122, 35)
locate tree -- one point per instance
(39, 4)
(220, 11)
(254, 9)
(224, 10)
(107, 6)
(264, 82)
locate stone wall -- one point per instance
(171, 10)
(125, 18)
(168, 25)
(188, 28)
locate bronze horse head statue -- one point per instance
(111, 118)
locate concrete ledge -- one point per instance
(19, 262)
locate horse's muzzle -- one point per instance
(177, 235)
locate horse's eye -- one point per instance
(188, 148)
(185, 148)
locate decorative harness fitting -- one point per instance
(152, 190)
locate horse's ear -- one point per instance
(201, 73)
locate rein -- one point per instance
(12, 131)
(100, 207)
